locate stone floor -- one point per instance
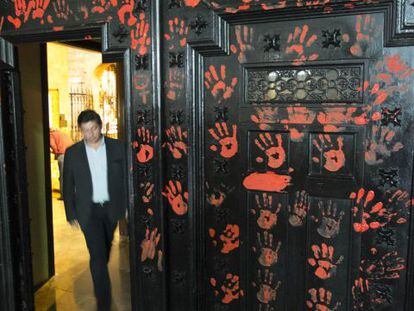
(71, 287)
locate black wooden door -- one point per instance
(300, 160)
(285, 177)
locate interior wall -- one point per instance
(30, 68)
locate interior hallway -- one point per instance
(71, 287)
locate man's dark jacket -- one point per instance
(77, 182)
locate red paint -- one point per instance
(299, 115)
(268, 181)
(380, 144)
(267, 218)
(100, 6)
(220, 86)
(341, 115)
(176, 138)
(62, 10)
(149, 247)
(365, 30)
(265, 115)
(279, 5)
(230, 289)
(216, 196)
(267, 288)
(269, 253)
(244, 38)
(373, 218)
(229, 238)
(177, 198)
(225, 140)
(175, 83)
(323, 261)
(143, 144)
(298, 212)
(192, 3)
(126, 13)
(273, 149)
(296, 44)
(177, 30)
(140, 39)
(321, 300)
(147, 190)
(295, 135)
(334, 156)
(397, 67)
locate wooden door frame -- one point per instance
(14, 216)
(48, 178)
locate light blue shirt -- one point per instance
(99, 172)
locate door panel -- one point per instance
(289, 122)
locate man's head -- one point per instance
(90, 124)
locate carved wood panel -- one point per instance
(270, 147)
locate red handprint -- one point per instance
(20, 10)
(229, 237)
(398, 205)
(375, 218)
(267, 217)
(216, 195)
(244, 38)
(321, 300)
(175, 83)
(365, 29)
(147, 190)
(127, 8)
(149, 245)
(334, 158)
(300, 208)
(219, 85)
(62, 9)
(323, 261)
(296, 42)
(143, 144)
(275, 153)
(269, 253)
(39, 7)
(140, 38)
(176, 141)
(177, 30)
(330, 220)
(227, 142)
(177, 197)
(388, 266)
(100, 6)
(380, 144)
(267, 289)
(230, 288)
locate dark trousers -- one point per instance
(99, 232)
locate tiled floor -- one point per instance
(71, 287)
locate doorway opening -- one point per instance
(58, 81)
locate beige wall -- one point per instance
(29, 61)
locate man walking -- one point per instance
(95, 196)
